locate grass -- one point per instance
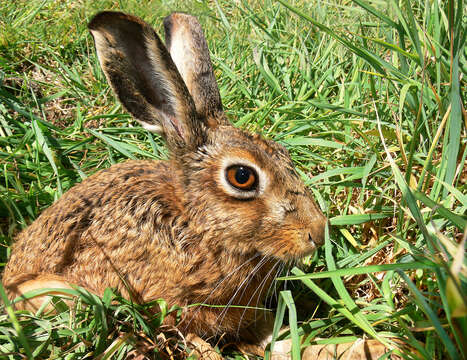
(369, 98)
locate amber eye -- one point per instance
(241, 177)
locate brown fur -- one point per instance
(170, 229)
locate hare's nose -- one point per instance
(316, 240)
(316, 232)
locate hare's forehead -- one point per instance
(253, 148)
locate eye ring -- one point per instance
(241, 177)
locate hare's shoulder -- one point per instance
(108, 184)
(99, 207)
(111, 187)
(103, 195)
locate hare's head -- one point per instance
(241, 188)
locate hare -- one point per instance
(211, 225)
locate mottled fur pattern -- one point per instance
(174, 229)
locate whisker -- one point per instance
(287, 274)
(231, 273)
(278, 262)
(247, 280)
(260, 289)
(274, 294)
(218, 285)
(251, 278)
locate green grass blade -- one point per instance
(280, 312)
(325, 296)
(420, 299)
(42, 142)
(454, 125)
(457, 220)
(112, 143)
(359, 319)
(288, 300)
(378, 63)
(362, 270)
(354, 219)
(16, 324)
(376, 13)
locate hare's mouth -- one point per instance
(294, 244)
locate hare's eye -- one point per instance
(241, 177)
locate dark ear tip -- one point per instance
(101, 18)
(180, 18)
(178, 15)
(106, 18)
(168, 24)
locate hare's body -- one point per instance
(211, 225)
(103, 233)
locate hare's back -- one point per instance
(101, 214)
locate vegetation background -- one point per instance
(369, 98)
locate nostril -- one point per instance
(319, 240)
(316, 236)
(316, 239)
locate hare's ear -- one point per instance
(145, 79)
(187, 45)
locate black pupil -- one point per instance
(242, 174)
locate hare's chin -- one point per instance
(290, 255)
(307, 252)
(292, 244)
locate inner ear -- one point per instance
(145, 79)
